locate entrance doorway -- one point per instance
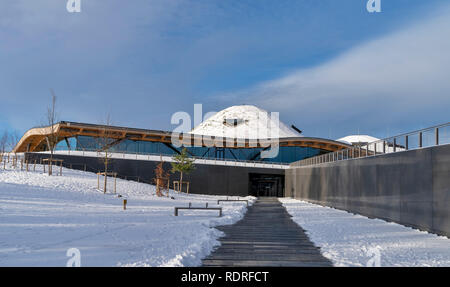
(266, 185)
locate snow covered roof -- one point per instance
(358, 139)
(245, 121)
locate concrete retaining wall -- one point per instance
(411, 188)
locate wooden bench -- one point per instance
(199, 208)
(218, 201)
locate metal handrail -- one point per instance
(379, 147)
(193, 157)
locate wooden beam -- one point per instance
(37, 136)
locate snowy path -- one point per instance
(355, 240)
(41, 217)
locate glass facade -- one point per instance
(285, 154)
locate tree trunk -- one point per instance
(157, 187)
(181, 182)
(106, 172)
(51, 163)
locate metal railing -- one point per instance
(432, 136)
(166, 157)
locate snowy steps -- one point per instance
(266, 236)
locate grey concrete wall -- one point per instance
(205, 179)
(411, 188)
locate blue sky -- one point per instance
(327, 66)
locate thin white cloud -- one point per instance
(402, 74)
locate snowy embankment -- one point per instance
(354, 240)
(43, 216)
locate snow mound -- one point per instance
(245, 122)
(358, 139)
(363, 140)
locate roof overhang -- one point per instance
(35, 139)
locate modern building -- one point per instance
(239, 151)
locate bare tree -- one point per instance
(3, 144)
(13, 140)
(105, 142)
(52, 137)
(161, 180)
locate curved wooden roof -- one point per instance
(35, 138)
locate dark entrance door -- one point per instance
(266, 185)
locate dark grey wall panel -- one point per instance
(411, 187)
(441, 187)
(205, 179)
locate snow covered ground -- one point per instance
(42, 216)
(355, 240)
